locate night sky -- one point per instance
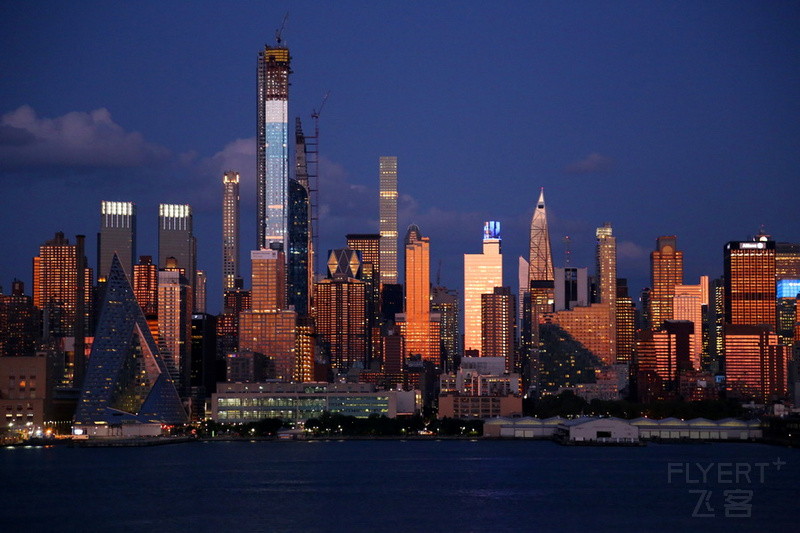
(663, 118)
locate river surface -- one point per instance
(394, 485)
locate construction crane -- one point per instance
(279, 31)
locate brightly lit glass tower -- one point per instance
(388, 219)
(230, 230)
(272, 180)
(482, 273)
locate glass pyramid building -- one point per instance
(126, 378)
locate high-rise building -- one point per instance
(690, 303)
(787, 322)
(176, 239)
(145, 285)
(445, 302)
(126, 380)
(175, 324)
(269, 328)
(342, 311)
(540, 263)
(662, 356)
(419, 328)
(231, 279)
(298, 275)
(787, 260)
(606, 272)
(388, 219)
(18, 322)
(589, 326)
(272, 179)
(302, 222)
(626, 323)
(117, 236)
(499, 326)
(199, 299)
(750, 285)
(666, 271)
(755, 363)
(368, 244)
(482, 273)
(57, 284)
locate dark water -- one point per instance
(396, 486)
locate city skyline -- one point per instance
(584, 118)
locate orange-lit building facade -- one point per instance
(482, 273)
(342, 321)
(666, 271)
(750, 283)
(755, 363)
(589, 326)
(688, 305)
(145, 285)
(417, 325)
(55, 285)
(268, 328)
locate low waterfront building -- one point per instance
(297, 402)
(591, 430)
(522, 428)
(698, 429)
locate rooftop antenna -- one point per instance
(439, 274)
(279, 31)
(567, 242)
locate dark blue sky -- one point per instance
(662, 118)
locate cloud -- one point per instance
(594, 162)
(77, 139)
(631, 250)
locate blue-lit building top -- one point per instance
(788, 288)
(491, 230)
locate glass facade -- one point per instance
(272, 180)
(126, 379)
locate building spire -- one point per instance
(541, 257)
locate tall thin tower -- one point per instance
(272, 180)
(540, 261)
(117, 235)
(388, 219)
(230, 231)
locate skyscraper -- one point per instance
(19, 322)
(482, 273)
(666, 271)
(342, 311)
(272, 179)
(176, 239)
(499, 323)
(445, 302)
(369, 246)
(388, 219)
(607, 277)
(230, 231)
(126, 381)
(299, 261)
(269, 328)
(691, 303)
(56, 282)
(117, 235)
(755, 362)
(419, 328)
(175, 324)
(145, 285)
(540, 261)
(750, 285)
